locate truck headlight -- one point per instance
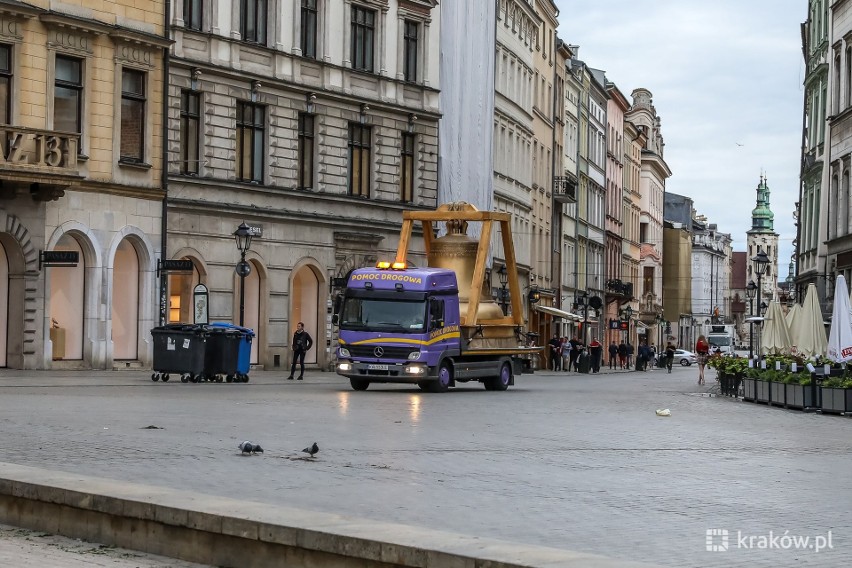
(344, 366)
(343, 352)
(415, 369)
(414, 356)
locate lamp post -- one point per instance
(760, 262)
(243, 236)
(627, 313)
(751, 290)
(504, 279)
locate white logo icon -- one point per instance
(717, 540)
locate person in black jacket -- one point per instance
(302, 342)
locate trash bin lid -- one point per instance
(230, 326)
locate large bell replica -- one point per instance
(456, 251)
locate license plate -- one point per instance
(374, 367)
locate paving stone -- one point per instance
(579, 462)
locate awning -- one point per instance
(641, 325)
(558, 313)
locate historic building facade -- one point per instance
(813, 199)
(317, 128)
(81, 212)
(652, 186)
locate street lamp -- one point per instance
(504, 279)
(627, 313)
(760, 263)
(243, 237)
(751, 290)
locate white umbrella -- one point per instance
(808, 331)
(791, 316)
(775, 338)
(839, 347)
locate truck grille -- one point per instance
(388, 352)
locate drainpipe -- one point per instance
(164, 173)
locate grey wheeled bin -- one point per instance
(179, 349)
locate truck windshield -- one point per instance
(719, 340)
(403, 316)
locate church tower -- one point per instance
(762, 237)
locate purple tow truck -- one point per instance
(401, 325)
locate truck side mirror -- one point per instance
(335, 312)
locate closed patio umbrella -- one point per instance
(775, 338)
(839, 347)
(808, 331)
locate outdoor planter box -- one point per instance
(761, 389)
(777, 393)
(801, 396)
(729, 385)
(836, 400)
(749, 389)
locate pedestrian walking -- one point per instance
(555, 352)
(302, 343)
(575, 353)
(613, 354)
(670, 354)
(596, 351)
(566, 354)
(629, 355)
(622, 355)
(702, 351)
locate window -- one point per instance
(190, 115)
(250, 128)
(410, 37)
(309, 28)
(306, 151)
(132, 116)
(406, 178)
(363, 30)
(192, 14)
(253, 20)
(68, 94)
(5, 84)
(359, 160)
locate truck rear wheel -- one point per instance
(500, 382)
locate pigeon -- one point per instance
(249, 448)
(311, 450)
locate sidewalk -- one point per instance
(23, 548)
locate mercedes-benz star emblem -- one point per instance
(378, 351)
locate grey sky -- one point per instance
(722, 73)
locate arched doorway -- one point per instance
(252, 308)
(305, 307)
(180, 294)
(125, 302)
(4, 305)
(67, 304)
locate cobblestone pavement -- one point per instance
(20, 548)
(570, 461)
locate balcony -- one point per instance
(38, 163)
(565, 189)
(616, 287)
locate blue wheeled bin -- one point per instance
(228, 351)
(179, 349)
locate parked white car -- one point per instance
(684, 357)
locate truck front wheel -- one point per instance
(445, 378)
(500, 382)
(359, 384)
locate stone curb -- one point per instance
(229, 532)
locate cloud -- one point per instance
(721, 73)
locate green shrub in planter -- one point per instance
(836, 395)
